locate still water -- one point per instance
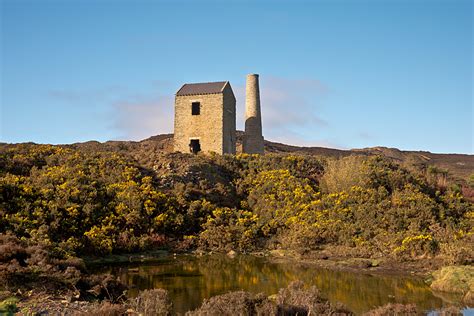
(190, 279)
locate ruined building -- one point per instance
(205, 118)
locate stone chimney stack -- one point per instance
(253, 139)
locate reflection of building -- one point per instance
(205, 118)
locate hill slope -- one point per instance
(459, 166)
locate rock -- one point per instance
(278, 253)
(232, 254)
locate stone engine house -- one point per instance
(205, 118)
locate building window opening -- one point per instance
(196, 108)
(194, 146)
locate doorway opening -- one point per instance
(194, 146)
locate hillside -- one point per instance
(459, 166)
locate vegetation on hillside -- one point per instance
(79, 202)
(60, 203)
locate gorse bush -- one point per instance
(82, 201)
(277, 198)
(230, 229)
(85, 203)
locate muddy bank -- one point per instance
(419, 267)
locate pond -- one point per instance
(191, 279)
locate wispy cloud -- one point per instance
(133, 116)
(140, 117)
(290, 110)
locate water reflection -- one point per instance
(190, 279)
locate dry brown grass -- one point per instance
(152, 302)
(394, 310)
(292, 300)
(107, 309)
(455, 279)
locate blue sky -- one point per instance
(344, 74)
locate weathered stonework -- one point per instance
(253, 139)
(215, 125)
